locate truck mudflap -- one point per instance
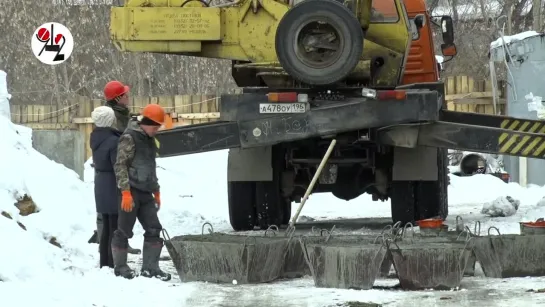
(471, 132)
(249, 128)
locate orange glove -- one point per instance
(157, 196)
(126, 201)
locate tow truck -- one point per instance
(360, 72)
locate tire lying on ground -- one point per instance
(336, 56)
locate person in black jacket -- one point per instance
(103, 142)
(116, 95)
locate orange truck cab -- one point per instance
(421, 64)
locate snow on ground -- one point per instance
(194, 191)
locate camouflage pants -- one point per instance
(146, 212)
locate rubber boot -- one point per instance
(134, 251)
(121, 268)
(150, 261)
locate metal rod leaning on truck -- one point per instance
(312, 183)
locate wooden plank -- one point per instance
(451, 86)
(461, 89)
(97, 103)
(187, 116)
(58, 115)
(154, 100)
(88, 108)
(464, 84)
(48, 115)
(167, 102)
(195, 107)
(204, 106)
(30, 113)
(51, 126)
(471, 85)
(39, 113)
(82, 120)
(65, 113)
(471, 88)
(451, 97)
(199, 116)
(15, 112)
(82, 107)
(139, 103)
(478, 101)
(488, 85)
(24, 114)
(186, 108)
(178, 104)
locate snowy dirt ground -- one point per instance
(35, 273)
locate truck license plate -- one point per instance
(298, 107)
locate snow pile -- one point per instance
(64, 204)
(480, 189)
(506, 40)
(501, 207)
(4, 97)
(541, 202)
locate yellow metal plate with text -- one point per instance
(180, 24)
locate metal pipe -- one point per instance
(313, 182)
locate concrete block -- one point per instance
(62, 146)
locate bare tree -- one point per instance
(94, 60)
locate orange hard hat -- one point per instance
(154, 112)
(114, 89)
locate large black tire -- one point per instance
(418, 200)
(242, 211)
(343, 61)
(268, 204)
(402, 201)
(271, 206)
(286, 212)
(432, 196)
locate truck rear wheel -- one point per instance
(319, 42)
(418, 200)
(432, 196)
(242, 209)
(272, 207)
(402, 201)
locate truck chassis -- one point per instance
(387, 147)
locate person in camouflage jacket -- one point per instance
(136, 177)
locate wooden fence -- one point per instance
(181, 109)
(462, 94)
